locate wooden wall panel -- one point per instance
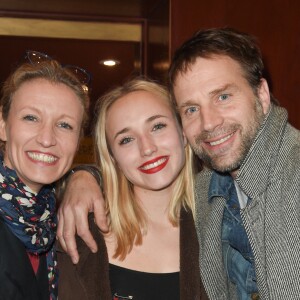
(275, 23)
(157, 49)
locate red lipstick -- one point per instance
(155, 165)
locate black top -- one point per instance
(136, 285)
(17, 278)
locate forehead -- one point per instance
(135, 110)
(139, 103)
(213, 65)
(207, 73)
(41, 92)
(43, 87)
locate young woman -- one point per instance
(42, 113)
(151, 249)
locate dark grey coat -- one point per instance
(270, 176)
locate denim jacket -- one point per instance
(238, 256)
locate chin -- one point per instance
(46, 180)
(228, 168)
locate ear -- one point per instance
(3, 136)
(264, 95)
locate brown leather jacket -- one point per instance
(89, 279)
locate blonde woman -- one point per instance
(151, 249)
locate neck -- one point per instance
(234, 173)
(154, 203)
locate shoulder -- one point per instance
(202, 180)
(292, 136)
(82, 247)
(288, 158)
(89, 278)
(204, 174)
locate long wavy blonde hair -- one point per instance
(127, 219)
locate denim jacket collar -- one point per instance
(220, 185)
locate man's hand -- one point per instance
(82, 195)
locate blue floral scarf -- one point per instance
(31, 218)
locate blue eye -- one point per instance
(65, 125)
(159, 126)
(30, 118)
(191, 110)
(223, 97)
(125, 141)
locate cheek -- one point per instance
(190, 132)
(181, 158)
(190, 124)
(125, 166)
(118, 157)
(243, 117)
(177, 143)
(182, 152)
(16, 138)
(71, 144)
(127, 160)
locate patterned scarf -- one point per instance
(31, 218)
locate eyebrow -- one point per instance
(185, 104)
(33, 109)
(150, 119)
(212, 93)
(222, 89)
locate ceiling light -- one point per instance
(109, 62)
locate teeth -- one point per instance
(154, 165)
(42, 157)
(221, 140)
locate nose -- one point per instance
(210, 118)
(147, 146)
(46, 136)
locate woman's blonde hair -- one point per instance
(127, 219)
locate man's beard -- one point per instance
(247, 137)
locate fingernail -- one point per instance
(75, 260)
